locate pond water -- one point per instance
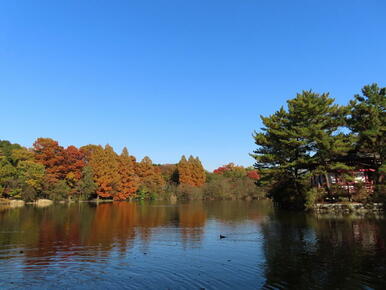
(158, 245)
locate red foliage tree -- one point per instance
(73, 164)
(48, 152)
(231, 169)
(253, 174)
(74, 161)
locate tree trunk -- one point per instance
(328, 183)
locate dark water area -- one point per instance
(158, 245)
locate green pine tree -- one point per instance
(367, 120)
(299, 142)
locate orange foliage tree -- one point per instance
(191, 172)
(129, 180)
(197, 171)
(62, 165)
(73, 165)
(105, 165)
(88, 150)
(48, 152)
(184, 172)
(149, 175)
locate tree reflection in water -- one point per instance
(155, 244)
(304, 251)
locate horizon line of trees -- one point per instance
(92, 171)
(313, 136)
(48, 170)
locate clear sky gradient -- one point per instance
(174, 77)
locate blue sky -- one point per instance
(174, 77)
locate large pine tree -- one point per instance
(299, 142)
(367, 120)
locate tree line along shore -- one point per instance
(47, 170)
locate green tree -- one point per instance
(59, 190)
(31, 174)
(21, 154)
(18, 171)
(9, 186)
(297, 143)
(86, 186)
(316, 125)
(367, 120)
(7, 147)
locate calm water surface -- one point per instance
(155, 245)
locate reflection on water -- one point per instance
(303, 250)
(160, 245)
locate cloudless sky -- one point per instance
(174, 77)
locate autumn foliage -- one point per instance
(129, 180)
(73, 164)
(52, 156)
(104, 162)
(253, 174)
(117, 177)
(52, 171)
(236, 171)
(191, 172)
(149, 175)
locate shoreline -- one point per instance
(320, 209)
(340, 208)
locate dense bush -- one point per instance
(216, 187)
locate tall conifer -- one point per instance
(149, 175)
(105, 166)
(129, 180)
(302, 141)
(367, 120)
